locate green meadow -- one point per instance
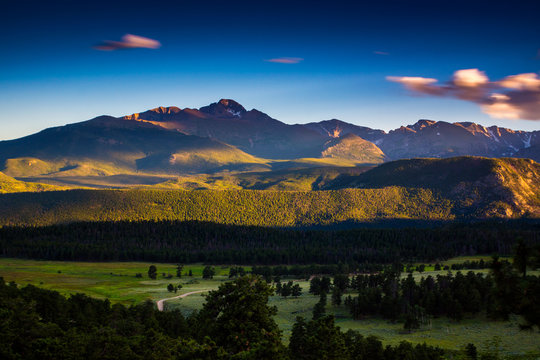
(117, 281)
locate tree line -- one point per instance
(211, 243)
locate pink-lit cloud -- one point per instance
(129, 41)
(417, 84)
(381, 53)
(286, 60)
(513, 97)
(528, 81)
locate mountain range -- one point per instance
(224, 136)
(258, 134)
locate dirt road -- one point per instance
(160, 302)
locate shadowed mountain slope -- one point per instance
(487, 187)
(107, 146)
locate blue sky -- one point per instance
(51, 74)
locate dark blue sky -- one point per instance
(50, 74)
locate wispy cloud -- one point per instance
(513, 97)
(381, 53)
(129, 41)
(286, 60)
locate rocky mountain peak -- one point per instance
(224, 108)
(421, 124)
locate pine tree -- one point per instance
(237, 317)
(152, 272)
(319, 310)
(179, 269)
(296, 290)
(298, 342)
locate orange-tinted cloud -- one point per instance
(129, 41)
(418, 84)
(286, 60)
(528, 81)
(514, 97)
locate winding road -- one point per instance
(160, 302)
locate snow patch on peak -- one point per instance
(492, 135)
(235, 113)
(527, 142)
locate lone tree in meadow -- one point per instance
(179, 269)
(208, 272)
(296, 290)
(152, 272)
(170, 287)
(521, 257)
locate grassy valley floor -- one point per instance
(117, 281)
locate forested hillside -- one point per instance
(420, 189)
(243, 207)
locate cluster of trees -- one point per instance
(306, 271)
(288, 289)
(387, 295)
(236, 271)
(175, 288)
(190, 242)
(235, 322)
(321, 339)
(470, 265)
(323, 285)
(516, 291)
(153, 272)
(466, 265)
(507, 289)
